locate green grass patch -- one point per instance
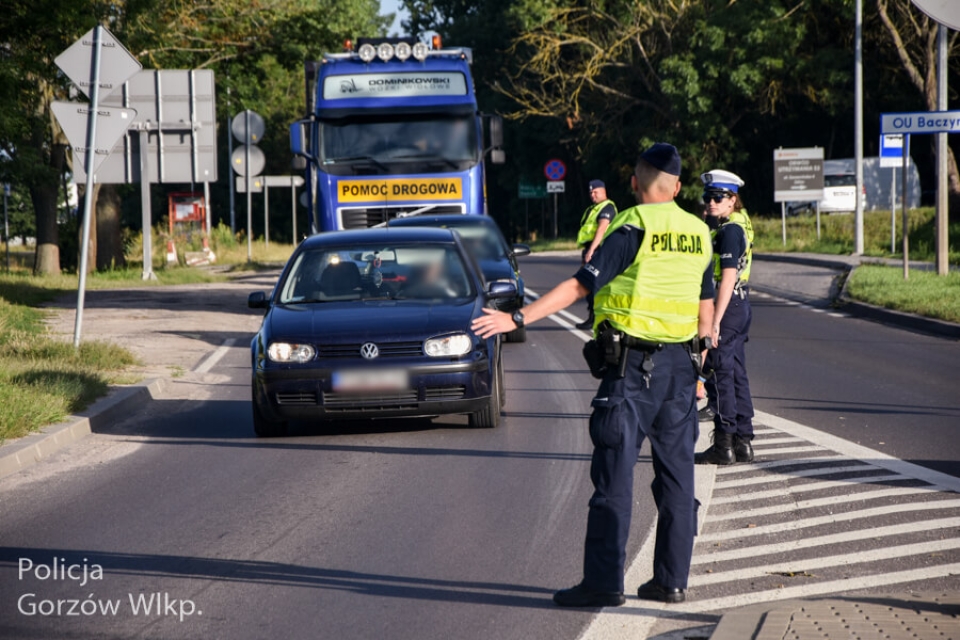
(924, 292)
(44, 379)
(837, 235)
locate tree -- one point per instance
(914, 37)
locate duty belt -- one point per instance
(649, 346)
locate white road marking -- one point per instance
(819, 588)
(772, 464)
(821, 502)
(806, 523)
(859, 452)
(805, 473)
(763, 442)
(215, 357)
(833, 538)
(824, 562)
(569, 326)
(801, 488)
(791, 450)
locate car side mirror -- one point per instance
(258, 300)
(501, 289)
(520, 250)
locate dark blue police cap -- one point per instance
(596, 184)
(663, 157)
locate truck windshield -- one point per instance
(416, 144)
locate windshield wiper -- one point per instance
(359, 160)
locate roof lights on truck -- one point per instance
(402, 51)
(385, 51)
(420, 50)
(367, 52)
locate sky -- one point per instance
(393, 6)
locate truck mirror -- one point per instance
(300, 138)
(495, 127)
(299, 163)
(497, 156)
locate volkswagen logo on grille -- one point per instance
(369, 351)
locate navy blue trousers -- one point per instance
(625, 411)
(728, 388)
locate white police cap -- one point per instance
(720, 179)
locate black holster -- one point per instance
(596, 360)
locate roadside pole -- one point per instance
(893, 210)
(943, 185)
(6, 223)
(905, 206)
(88, 192)
(246, 177)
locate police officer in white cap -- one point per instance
(725, 368)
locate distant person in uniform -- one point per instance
(725, 367)
(593, 225)
(653, 280)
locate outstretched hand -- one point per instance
(492, 323)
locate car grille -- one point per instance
(297, 398)
(387, 349)
(444, 393)
(333, 401)
(353, 402)
(363, 217)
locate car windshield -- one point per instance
(358, 273)
(430, 143)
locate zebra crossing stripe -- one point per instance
(833, 538)
(821, 502)
(812, 486)
(818, 588)
(803, 473)
(806, 523)
(823, 562)
(773, 464)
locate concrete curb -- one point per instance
(28, 450)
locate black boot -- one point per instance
(720, 452)
(742, 449)
(586, 324)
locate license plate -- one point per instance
(370, 380)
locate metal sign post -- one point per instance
(93, 62)
(938, 122)
(248, 127)
(891, 155)
(6, 224)
(905, 207)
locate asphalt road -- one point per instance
(399, 529)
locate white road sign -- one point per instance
(556, 186)
(112, 123)
(920, 122)
(116, 63)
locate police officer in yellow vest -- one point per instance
(653, 280)
(725, 368)
(593, 226)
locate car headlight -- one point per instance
(456, 345)
(286, 352)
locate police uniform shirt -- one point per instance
(730, 244)
(609, 212)
(615, 256)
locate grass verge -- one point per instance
(43, 379)
(924, 293)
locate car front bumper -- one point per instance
(433, 389)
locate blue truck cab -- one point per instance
(393, 130)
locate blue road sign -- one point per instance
(555, 169)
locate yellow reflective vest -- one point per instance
(746, 260)
(658, 297)
(588, 223)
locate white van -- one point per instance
(839, 188)
(880, 187)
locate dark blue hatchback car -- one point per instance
(376, 323)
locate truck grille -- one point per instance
(363, 217)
